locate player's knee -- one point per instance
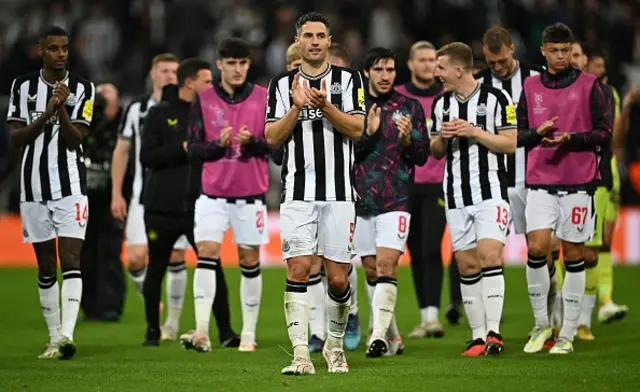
(177, 255)
(136, 257)
(467, 264)
(69, 259)
(537, 249)
(316, 265)
(490, 258)
(591, 257)
(249, 257)
(209, 249)
(386, 268)
(338, 282)
(370, 270)
(298, 269)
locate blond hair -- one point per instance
(293, 54)
(458, 53)
(419, 46)
(164, 58)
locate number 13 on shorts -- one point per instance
(502, 217)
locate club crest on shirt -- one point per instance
(397, 115)
(481, 110)
(336, 88)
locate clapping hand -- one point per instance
(317, 98)
(244, 136)
(546, 126)
(225, 137)
(298, 92)
(562, 139)
(404, 130)
(373, 120)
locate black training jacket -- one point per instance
(172, 182)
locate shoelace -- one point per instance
(338, 359)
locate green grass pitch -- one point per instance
(110, 357)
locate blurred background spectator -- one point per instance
(113, 41)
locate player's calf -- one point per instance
(71, 292)
(137, 264)
(338, 303)
(49, 291)
(490, 257)
(204, 283)
(384, 296)
(317, 294)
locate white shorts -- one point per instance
(486, 220)
(388, 230)
(45, 220)
(569, 216)
(323, 226)
(517, 204)
(248, 221)
(135, 231)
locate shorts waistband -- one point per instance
(240, 200)
(563, 192)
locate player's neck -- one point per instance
(53, 75)
(422, 84)
(314, 69)
(157, 94)
(184, 94)
(467, 86)
(513, 67)
(227, 88)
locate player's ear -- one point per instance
(219, 65)
(542, 51)
(329, 39)
(366, 73)
(512, 48)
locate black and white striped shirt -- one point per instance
(131, 130)
(513, 85)
(472, 172)
(318, 160)
(49, 170)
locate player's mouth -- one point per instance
(59, 62)
(315, 50)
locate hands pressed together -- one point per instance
(302, 94)
(457, 127)
(547, 127)
(60, 95)
(243, 137)
(403, 123)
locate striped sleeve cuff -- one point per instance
(81, 122)
(273, 119)
(19, 119)
(356, 112)
(506, 127)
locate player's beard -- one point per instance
(422, 80)
(380, 91)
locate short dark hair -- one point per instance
(189, 68)
(497, 38)
(376, 54)
(53, 31)
(557, 33)
(340, 51)
(312, 17)
(459, 53)
(592, 51)
(234, 48)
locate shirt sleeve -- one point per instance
(435, 121)
(526, 137)
(126, 129)
(418, 150)
(602, 117)
(353, 96)
(83, 108)
(276, 107)
(505, 117)
(15, 112)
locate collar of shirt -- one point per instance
(434, 89)
(561, 79)
(239, 95)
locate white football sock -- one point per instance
(296, 313)
(316, 294)
(71, 297)
(49, 292)
(572, 295)
(472, 298)
(493, 296)
(586, 310)
(393, 331)
(338, 314)
(384, 304)
(176, 285)
(539, 283)
(553, 292)
(371, 288)
(250, 297)
(353, 284)
(204, 292)
(429, 314)
(138, 279)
